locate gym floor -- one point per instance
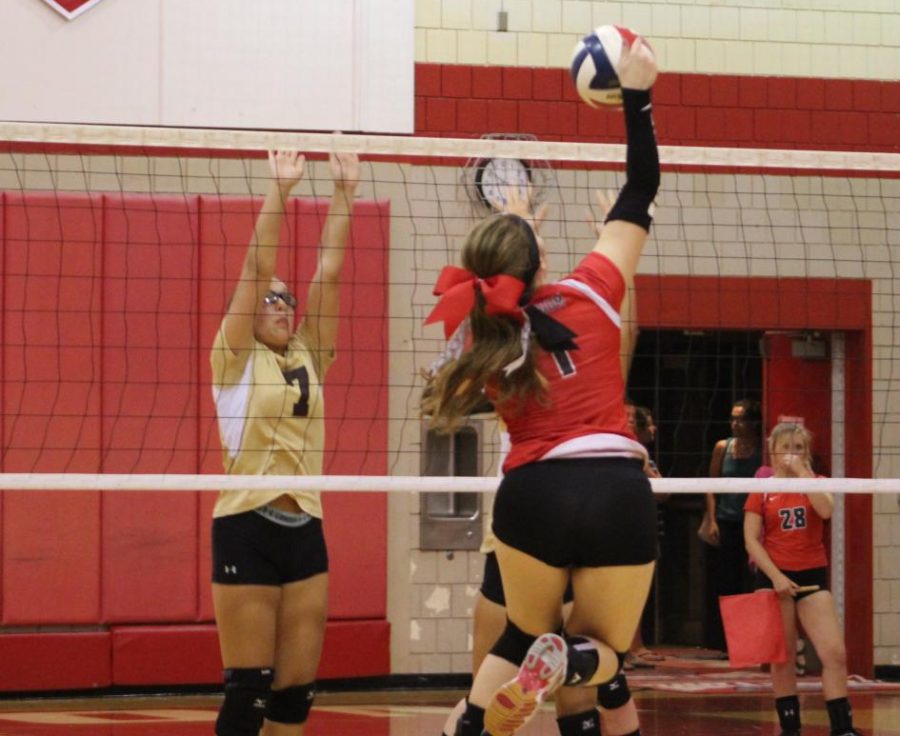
(423, 713)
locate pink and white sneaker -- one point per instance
(542, 672)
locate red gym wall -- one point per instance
(122, 297)
(689, 109)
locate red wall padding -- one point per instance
(50, 541)
(165, 655)
(70, 661)
(149, 557)
(151, 343)
(356, 649)
(356, 407)
(51, 558)
(169, 655)
(150, 397)
(51, 330)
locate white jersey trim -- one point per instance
(231, 409)
(599, 444)
(596, 298)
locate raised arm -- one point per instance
(321, 316)
(629, 336)
(628, 310)
(286, 168)
(628, 223)
(800, 466)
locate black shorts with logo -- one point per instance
(584, 512)
(250, 549)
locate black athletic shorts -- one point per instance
(249, 549)
(492, 583)
(586, 512)
(812, 576)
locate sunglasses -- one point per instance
(272, 297)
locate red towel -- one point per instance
(753, 628)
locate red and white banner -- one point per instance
(71, 9)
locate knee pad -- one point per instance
(591, 662)
(291, 704)
(246, 699)
(513, 644)
(580, 724)
(614, 694)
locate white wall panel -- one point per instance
(261, 64)
(282, 64)
(385, 66)
(98, 68)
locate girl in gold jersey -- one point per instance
(270, 566)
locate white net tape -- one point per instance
(408, 484)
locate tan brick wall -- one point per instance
(792, 37)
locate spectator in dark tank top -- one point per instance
(738, 456)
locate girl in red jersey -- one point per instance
(783, 534)
(574, 502)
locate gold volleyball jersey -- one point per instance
(271, 415)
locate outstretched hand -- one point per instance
(344, 171)
(605, 200)
(637, 66)
(520, 201)
(286, 167)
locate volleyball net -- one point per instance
(768, 274)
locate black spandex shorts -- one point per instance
(492, 583)
(588, 512)
(812, 576)
(249, 549)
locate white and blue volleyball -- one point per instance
(594, 64)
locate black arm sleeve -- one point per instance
(641, 161)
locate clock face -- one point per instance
(496, 176)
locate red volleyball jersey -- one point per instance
(584, 415)
(792, 530)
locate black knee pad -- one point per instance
(292, 704)
(513, 644)
(614, 694)
(580, 724)
(246, 699)
(582, 660)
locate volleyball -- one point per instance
(594, 63)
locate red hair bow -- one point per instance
(456, 289)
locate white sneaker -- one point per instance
(539, 676)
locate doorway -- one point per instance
(689, 379)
